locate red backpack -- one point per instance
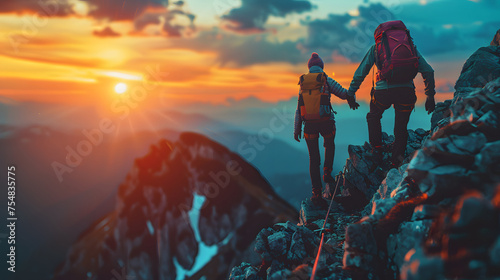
(396, 56)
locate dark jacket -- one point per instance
(369, 60)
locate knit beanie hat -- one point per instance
(315, 60)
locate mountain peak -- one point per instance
(181, 211)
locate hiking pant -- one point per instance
(312, 130)
(403, 99)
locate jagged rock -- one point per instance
(187, 247)
(488, 159)
(410, 235)
(392, 190)
(243, 272)
(310, 212)
(437, 217)
(360, 247)
(472, 212)
(275, 271)
(443, 163)
(425, 211)
(480, 68)
(441, 112)
(288, 226)
(310, 239)
(418, 266)
(261, 244)
(297, 250)
(251, 273)
(169, 208)
(278, 243)
(364, 172)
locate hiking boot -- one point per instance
(327, 175)
(317, 199)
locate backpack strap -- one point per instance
(385, 41)
(326, 85)
(301, 79)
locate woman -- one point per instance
(315, 110)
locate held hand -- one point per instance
(297, 137)
(351, 99)
(430, 104)
(355, 106)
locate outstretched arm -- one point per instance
(337, 89)
(430, 84)
(428, 74)
(362, 71)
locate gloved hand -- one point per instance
(351, 99)
(430, 104)
(297, 136)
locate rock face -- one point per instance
(441, 219)
(363, 172)
(435, 217)
(288, 251)
(187, 209)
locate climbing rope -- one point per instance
(315, 267)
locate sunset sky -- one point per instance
(74, 51)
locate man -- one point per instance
(315, 111)
(396, 58)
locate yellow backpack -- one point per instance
(314, 100)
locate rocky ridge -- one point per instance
(435, 217)
(188, 209)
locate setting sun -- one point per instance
(120, 88)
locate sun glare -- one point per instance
(120, 88)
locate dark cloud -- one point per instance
(487, 30)
(43, 7)
(445, 88)
(252, 51)
(146, 19)
(240, 51)
(253, 14)
(141, 12)
(170, 28)
(430, 40)
(114, 10)
(175, 30)
(349, 36)
(106, 32)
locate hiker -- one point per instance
(496, 39)
(315, 110)
(398, 62)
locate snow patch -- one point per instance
(150, 227)
(205, 253)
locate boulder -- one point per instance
(418, 266)
(481, 68)
(278, 243)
